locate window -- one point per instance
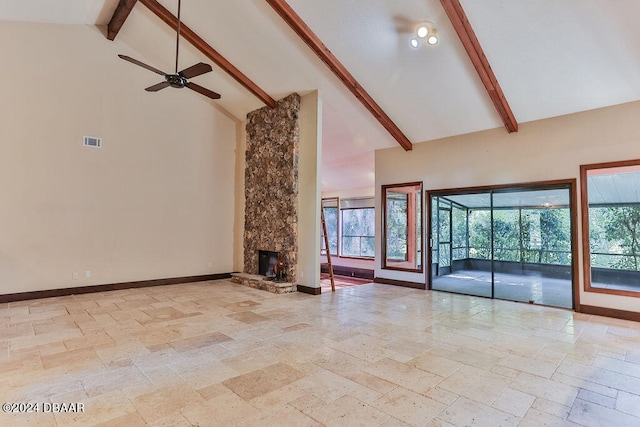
(330, 209)
(358, 228)
(611, 227)
(402, 231)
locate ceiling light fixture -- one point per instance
(424, 31)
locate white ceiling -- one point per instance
(551, 58)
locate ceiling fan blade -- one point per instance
(204, 91)
(195, 70)
(157, 87)
(142, 64)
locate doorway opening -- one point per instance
(514, 242)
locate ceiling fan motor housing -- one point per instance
(176, 80)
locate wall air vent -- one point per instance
(92, 141)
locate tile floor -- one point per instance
(221, 354)
(512, 287)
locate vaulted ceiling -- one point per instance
(549, 57)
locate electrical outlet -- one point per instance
(87, 274)
(75, 275)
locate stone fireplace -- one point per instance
(271, 186)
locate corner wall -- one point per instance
(542, 150)
(310, 163)
(156, 201)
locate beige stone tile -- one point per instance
(278, 397)
(633, 357)
(371, 381)
(165, 401)
(239, 306)
(197, 342)
(327, 386)
(281, 416)
(475, 358)
(16, 331)
(628, 403)
(514, 402)
(163, 314)
(617, 365)
(213, 390)
(307, 403)
(202, 371)
(101, 409)
(404, 375)
(72, 359)
(536, 418)
(464, 412)
(586, 385)
(551, 408)
(296, 327)
(91, 340)
(224, 410)
(248, 317)
(441, 395)
(530, 365)
(262, 381)
(435, 364)
(132, 419)
(592, 414)
(128, 377)
(547, 389)
(409, 407)
(601, 376)
(367, 348)
(349, 411)
(256, 359)
(477, 384)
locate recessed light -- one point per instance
(432, 40)
(414, 43)
(422, 31)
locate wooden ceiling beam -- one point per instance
(197, 41)
(313, 41)
(119, 16)
(467, 36)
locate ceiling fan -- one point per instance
(179, 79)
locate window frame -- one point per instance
(586, 232)
(418, 248)
(342, 236)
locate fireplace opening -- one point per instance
(266, 261)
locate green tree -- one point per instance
(621, 226)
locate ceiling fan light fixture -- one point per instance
(433, 38)
(422, 31)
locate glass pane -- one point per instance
(402, 233)
(614, 228)
(397, 222)
(462, 246)
(358, 228)
(532, 247)
(331, 222)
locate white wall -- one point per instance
(156, 201)
(543, 150)
(309, 165)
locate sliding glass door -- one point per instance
(509, 243)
